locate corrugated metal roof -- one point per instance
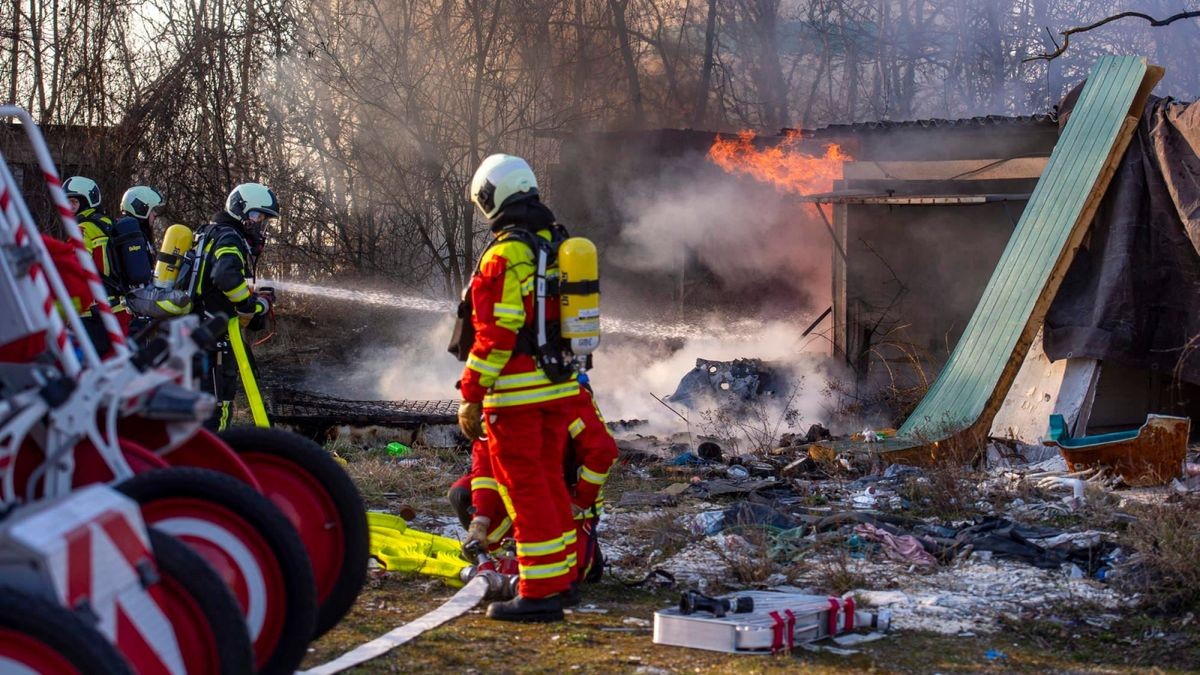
(1049, 119)
(869, 198)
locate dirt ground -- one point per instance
(618, 637)
(621, 641)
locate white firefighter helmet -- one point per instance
(249, 197)
(139, 200)
(83, 189)
(502, 180)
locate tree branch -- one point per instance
(1066, 34)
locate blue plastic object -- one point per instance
(1059, 434)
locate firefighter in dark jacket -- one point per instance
(140, 206)
(131, 243)
(228, 248)
(84, 195)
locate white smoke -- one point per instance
(628, 372)
(744, 232)
(419, 368)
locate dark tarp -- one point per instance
(1132, 294)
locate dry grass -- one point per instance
(751, 563)
(419, 480)
(661, 530)
(945, 490)
(832, 571)
(754, 426)
(1167, 542)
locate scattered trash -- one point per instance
(643, 499)
(687, 458)
(694, 601)
(676, 489)
(398, 449)
(838, 651)
(714, 383)
(784, 515)
(709, 451)
(853, 639)
(590, 609)
(1149, 455)
(995, 655)
(708, 522)
(904, 548)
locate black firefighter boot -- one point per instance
(572, 596)
(522, 609)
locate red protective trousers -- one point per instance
(593, 453)
(590, 454)
(526, 450)
(485, 494)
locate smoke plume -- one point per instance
(749, 235)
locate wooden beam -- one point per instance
(958, 169)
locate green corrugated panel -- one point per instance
(970, 377)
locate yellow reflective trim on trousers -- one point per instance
(499, 531)
(483, 367)
(569, 537)
(483, 483)
(223, 420)
(501, 400)
(589, 513)
(591, 476)
(537, 548)
(508, 505)
(257, 408)
(238, 293)
(575, 427)
(572, 559)
(547, 571)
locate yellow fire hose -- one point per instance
(257, 408)
(402, 549)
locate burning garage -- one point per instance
(895, 229)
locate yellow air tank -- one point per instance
(579, 286)
(176, 243)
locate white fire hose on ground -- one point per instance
(483, 585)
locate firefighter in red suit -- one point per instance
(590, 455)
(594, 453)
(525, 412)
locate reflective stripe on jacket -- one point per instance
(502, 295)
(224, 272)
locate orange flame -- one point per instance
(783, 165)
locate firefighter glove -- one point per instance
(470, 419)
(477, 534)
(262, 309)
